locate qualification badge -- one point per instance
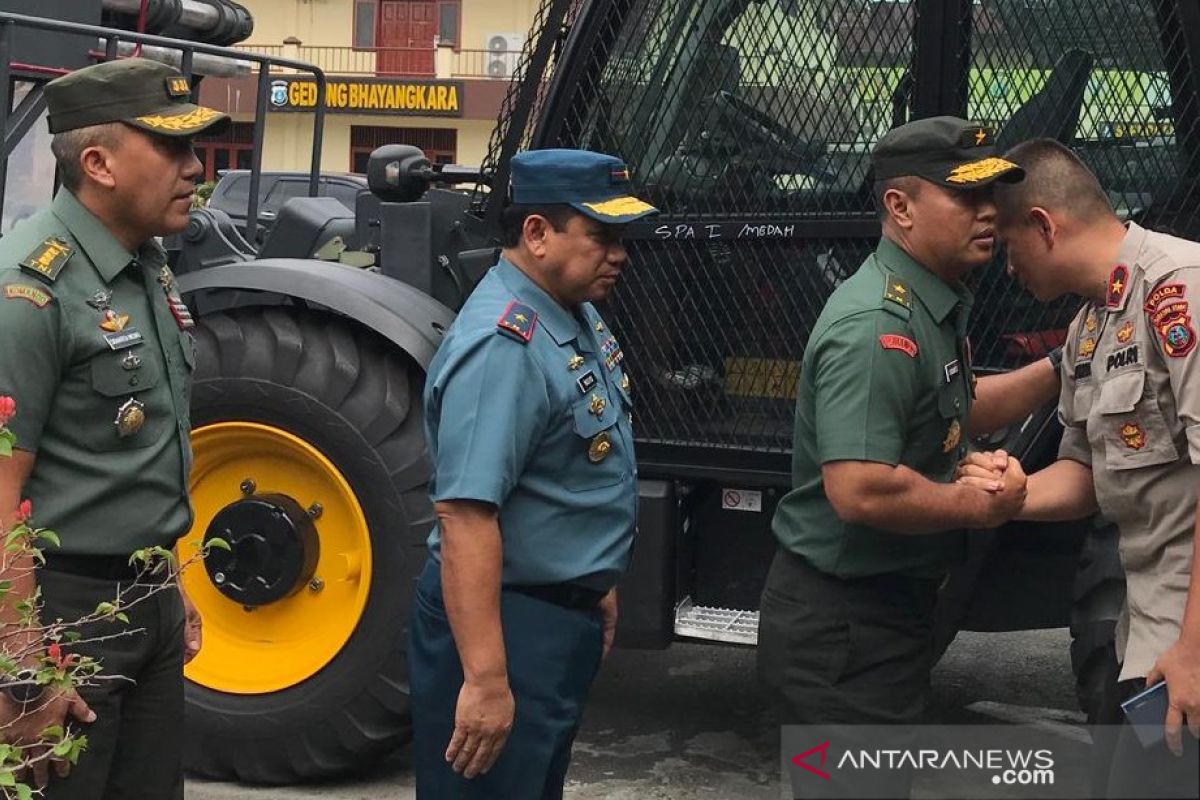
(953, 435)
(130, 418)
(600, 447)
(597, 404)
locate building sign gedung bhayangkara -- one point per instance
(370, 96)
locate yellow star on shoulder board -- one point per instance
(1117, 286)
(899, 288)
(521, 318)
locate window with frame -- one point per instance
(364, 24)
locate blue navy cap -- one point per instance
(593, 184)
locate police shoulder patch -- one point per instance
(20, 291)
(48, 259)
(897, 297)
(518, 322)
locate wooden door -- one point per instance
(404, 36)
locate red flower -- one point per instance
(8, 409)
(24, 511)
(55, 652)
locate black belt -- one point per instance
(567, 595)
(112, 568)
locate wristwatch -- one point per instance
(22, 687)
(1055, 357)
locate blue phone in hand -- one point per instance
(1147, 713)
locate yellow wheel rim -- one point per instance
(280, 644)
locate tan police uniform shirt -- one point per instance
(1130, 407)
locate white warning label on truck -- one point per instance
(741, 500)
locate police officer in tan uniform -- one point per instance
(1130, 408)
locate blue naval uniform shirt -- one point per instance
(515, 424)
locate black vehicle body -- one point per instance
(748, 122)
(231, 193)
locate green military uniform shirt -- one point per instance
(98, 357)
(884, 378)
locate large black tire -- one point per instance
(1098, 597)
(358, 401)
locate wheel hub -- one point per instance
(273, 552)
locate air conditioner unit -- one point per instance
(503, 53)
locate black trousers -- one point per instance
(135, 746)
(553, 656)
(847, 652)
(1126, 769)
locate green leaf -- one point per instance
(218, 543)
(23, 792)
(17, 532)
(7, 439)
(63, 748)
(54, 732)
(8, 777)
(50, 536)
(104, 608)
(72, 636)
(121, 615)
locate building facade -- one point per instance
(430, 73)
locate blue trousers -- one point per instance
(553, 655)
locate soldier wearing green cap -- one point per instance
(99, 361)
(886, 402)
(528, 417)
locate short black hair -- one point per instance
(513, 216)
(1055, 179)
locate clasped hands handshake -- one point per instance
(1001, 477)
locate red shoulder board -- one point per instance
(1118, 281)
(518, 322)
(894, 341)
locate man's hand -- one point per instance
(24, 725)
(1007, 500)
(983, 470)
(608, 608)
(1179, 666)
(482, 722)
(192, 627)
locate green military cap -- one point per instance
(948, 151)
(142, 93)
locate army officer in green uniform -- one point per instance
(886, 401)
(98, 356)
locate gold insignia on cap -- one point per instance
(130, 418)
(953, 436)
(180, 123)
(178, 87)
(620, 207)
(597, 404)
(600, 447)
(575, 362)
(980, 137)
(976, 171)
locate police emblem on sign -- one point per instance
(279, 93)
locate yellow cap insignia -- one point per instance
(18, 291)
(130, 418)
(976, 171)
(597, 404)
(980, 137)
(953, 436)
(575, 362)
(48, 259)
(180, 123)
(600, 447)
(178, 87)
(620, 207)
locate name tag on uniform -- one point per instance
(586, 382)
(951, 370)
(1083, 370)
(119, 340)
(1122, 358)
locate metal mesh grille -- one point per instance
(750, 125)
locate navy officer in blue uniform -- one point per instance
(528, 416)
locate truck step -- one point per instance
(716, 624)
